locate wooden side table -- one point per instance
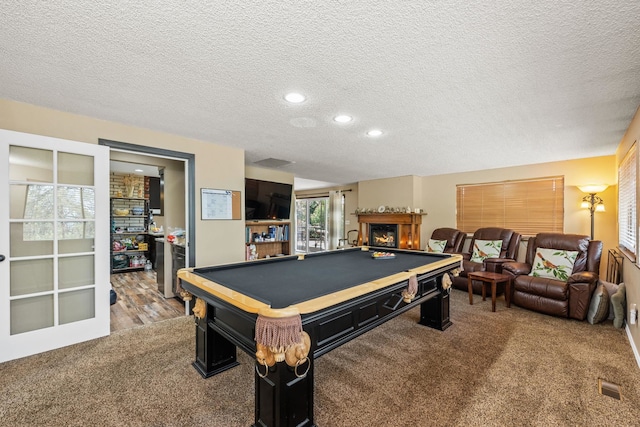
(488, 277)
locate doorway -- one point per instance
(148, 295)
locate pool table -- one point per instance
(328, 297)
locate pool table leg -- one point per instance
(214, 353)
(282, 398)
(434, 312)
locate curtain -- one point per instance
(336, 224)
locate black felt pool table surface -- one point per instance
(282, 282)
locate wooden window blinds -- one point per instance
(527, 206)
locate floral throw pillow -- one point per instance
(436, 245)
(553, 263)
(483, 249)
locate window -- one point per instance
(627, 176)
(526, 206)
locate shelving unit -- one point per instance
(267, 239)
(130, 243)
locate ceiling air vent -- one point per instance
(272, 163)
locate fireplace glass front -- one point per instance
(384, 235)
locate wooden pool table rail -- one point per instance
(251, 305)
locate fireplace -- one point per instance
(383, 235)
(405, 228)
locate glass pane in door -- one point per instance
(318, 225)
(75, 169)
(77, 305)
(76, 203)
(30, 314)
(31, 201)
(30, 164)
(75, 271)
(75, 236)
(31, 276)
(301, 226)
(23, 242)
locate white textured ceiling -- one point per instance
(455, 85)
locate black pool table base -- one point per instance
(281, 397)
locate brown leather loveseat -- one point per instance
(554, 288)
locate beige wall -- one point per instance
(401, 191)
(268, 175)
(216, 166)
(630, 271)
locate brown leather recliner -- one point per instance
(569, 298)
(509, 252)
(455, 239)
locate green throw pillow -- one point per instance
(619, 305)
(599, 307)
(483, 249)
(553, 263)
(436, 246)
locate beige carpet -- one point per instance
(511, 367)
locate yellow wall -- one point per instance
(439, 195)
(630, 271)
(216, 166)
(436, 195)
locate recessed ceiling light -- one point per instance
(294, 98)
(343, 118)
(374, 132)
(138, 170)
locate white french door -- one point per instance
(312, 225)
(54, 219)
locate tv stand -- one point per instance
(269, 238)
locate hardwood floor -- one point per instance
(139, 301)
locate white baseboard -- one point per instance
(634, 347)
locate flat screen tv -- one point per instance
(266, 199)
